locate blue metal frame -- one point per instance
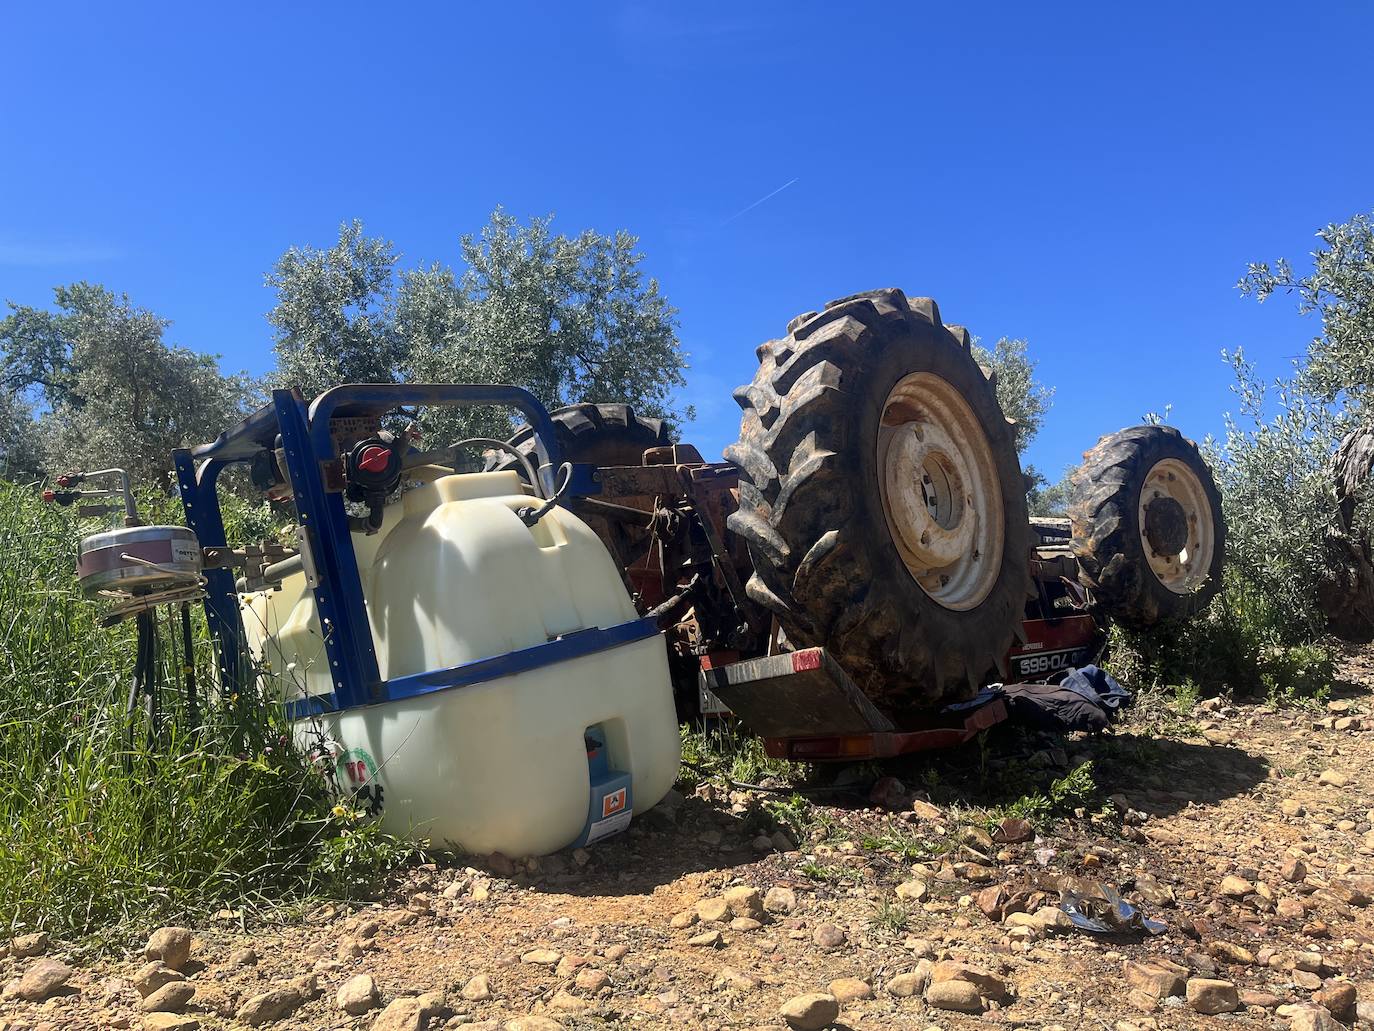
(480, 671)
(305, 438)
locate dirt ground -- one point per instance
(1245, 829)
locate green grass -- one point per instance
(729, 752)
(890, 917)
(95, 833)
(1063, 795)
(1246, 642)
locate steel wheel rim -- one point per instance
(1173, 482)
(941, 495)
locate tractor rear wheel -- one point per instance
(1147, 526)
(881, 499)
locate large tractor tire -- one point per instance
(603, 435)
(881, 499)
(1147, 526)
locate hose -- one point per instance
(529, 515)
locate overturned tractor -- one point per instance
(874, 507)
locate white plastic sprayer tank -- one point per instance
(454, 576)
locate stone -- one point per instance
(925, 810)
(782, 842)
(247, 957)
(534, 1023)
(1144, 1001)
(592, 980)
(1333, 778)
(172, 997)
(170, 1022)
(570, 965)
(828, 936)
(780, 900)
(713, 911)
(913, 890)
(814, 1011)
(152, 976)
(1236, 887)
(615, 953)
(563, 1002)
(478, 988)
(707, 940)
(349, 950)
(729, 977)
(1310, 961)
(542, 957)
(959, 996)
(1229, 952)
(1339, 997)
(172, 945)
(26, 946)
(684, 919)
(357, 995)
(1264, 1000)
(1313, 1018)
(1294, 869)
(413, 1013)
(987, 983)
(266, 1007)
(744, 900)
(45, 978)
(1290, 909)
(1012, 831)
(1209, 995)
(1159, 981)
(904, 986)
(977, 839)
(745, 923)
(850, 989)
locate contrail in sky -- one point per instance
(751, 207)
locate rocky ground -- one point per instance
(926, 900)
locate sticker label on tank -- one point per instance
(358, 776)
(612, 803)
(611, 825)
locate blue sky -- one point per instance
(1090, 177)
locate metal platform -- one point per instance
(806, 708)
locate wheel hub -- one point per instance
(1166, 526)
(941, 495)
(1177, 526)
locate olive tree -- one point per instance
(94, 383)
(1021, 395)
(568, 318)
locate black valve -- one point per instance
(372, 470)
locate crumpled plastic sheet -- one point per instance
(1105, 912)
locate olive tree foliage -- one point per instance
(1340, 289)
(568, 318)
(1273, 464)
(1045, 499)
(334, 319)
(95, 384)
(1021, 395)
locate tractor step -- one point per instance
(806, 708)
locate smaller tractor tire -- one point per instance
(595, 434)
(601, 435)
(1148, 532)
